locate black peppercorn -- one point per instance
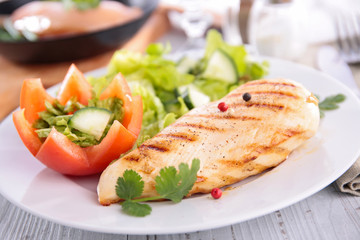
(246, 97)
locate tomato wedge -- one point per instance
(57, 151)
(32, 104)
(120, 89)
(135, 123)
(74, 84)
(62, 155)
(26, 132)
(117, 141)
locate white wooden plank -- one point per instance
(171, 237)
(326, 215)
(333, 214)
(9, 223)
(222, 233)
(138, 237)
(202, 235)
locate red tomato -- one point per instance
(58, 152)
(26, 132)
(137, 116)
(120, 89)
(117, 141)
(62, 155)
(69, 158)
(74, 84)
(31, 104)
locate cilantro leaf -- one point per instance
(330, 103)
(130, 185)
(170, 184)
(174, 186)
(136, 209)
(167, 181)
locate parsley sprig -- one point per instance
(330, 103)
(170, 184)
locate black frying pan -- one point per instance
(73, 47)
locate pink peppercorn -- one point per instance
(223, 107)
(216, 193)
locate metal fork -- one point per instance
(347, 25)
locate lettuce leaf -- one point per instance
(156, 79)
(153, 109)
(215, 89)
(125, 62)
(247, 69)
(161, 72)
(215, 41)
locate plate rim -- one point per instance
(310, 191)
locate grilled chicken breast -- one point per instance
(248, 138)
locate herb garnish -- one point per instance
(330, 103)
(170, 184)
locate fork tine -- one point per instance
(340, 40)
(352, 30)
(356, 23)
(348, 31)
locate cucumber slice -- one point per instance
(221, 67)
(182, 91)
(185, 65)
(192, 96)
(91, 120)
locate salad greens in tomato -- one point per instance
(170, 88)
(78, 132)
(59, 116)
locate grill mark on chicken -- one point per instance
(154, 147)
(179, 136)
(225, 116)
(131, 157)
(236, 163)
(270, 83)
(265, 105)
(194, 125)
(278, 138)
(291, 132)
(253, 156)
(271, 149)
(257, 150)
(258, 105)
(281, 94)
(200, 179)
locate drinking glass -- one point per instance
(194, 21)
(197, 16)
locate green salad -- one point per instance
(170, 88)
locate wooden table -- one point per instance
(327, 214)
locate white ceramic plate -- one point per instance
(72, 201)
